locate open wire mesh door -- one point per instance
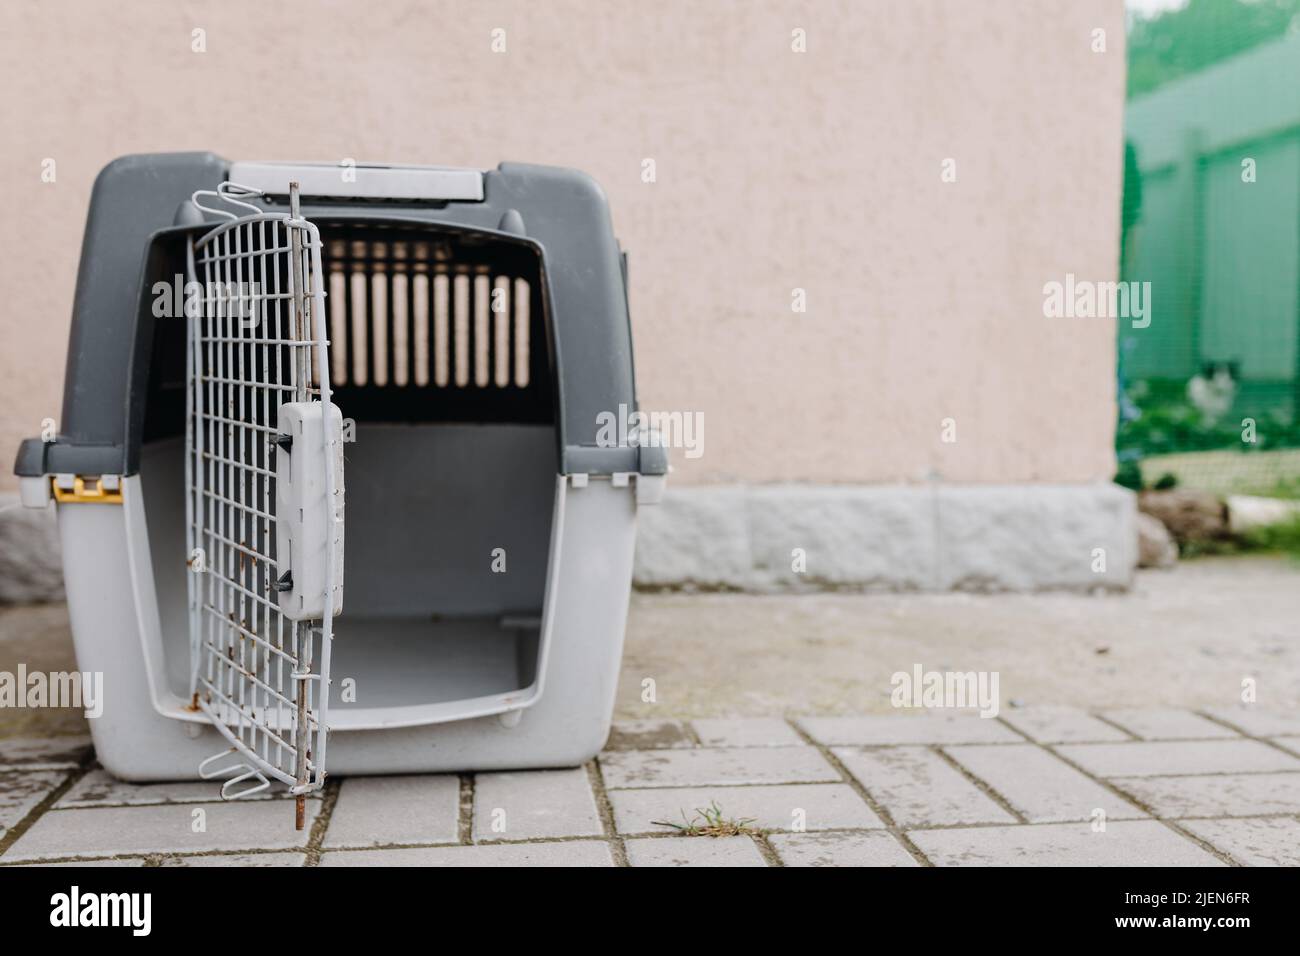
(264, 468)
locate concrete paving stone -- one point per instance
(919, 787)
(889, 729)
(1257, 722)
(99, 788)
(562, 853)
(819, 806)
(1258, 842)
(715, 766)
(81, 863)
(1131, 843)
(48, 753)
(1177, 757)
(238, 859)
(1222, 795)
(1290, 744)
(1041, 786)
(123, 831)
(840, 849)
(534, 804)
(746, 732)
(1167, 724)
(1061, 725)
(648, 735)
(694, 851)
(377, 811)
(21, 792)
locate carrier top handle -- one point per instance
(363, 181)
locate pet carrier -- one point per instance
(263, 354)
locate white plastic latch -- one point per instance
(34, 492)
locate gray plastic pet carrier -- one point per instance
(264, 356)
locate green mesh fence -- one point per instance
(1210, 388)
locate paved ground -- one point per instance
(1157, 747)
(1180, 638)
(1038, 786)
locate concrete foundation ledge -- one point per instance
(774, 538)
(31, 569)
(780, 538)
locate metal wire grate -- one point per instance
(257, 341)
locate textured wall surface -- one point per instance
(980, 538)
(775, 170)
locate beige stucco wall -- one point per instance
(775, 170)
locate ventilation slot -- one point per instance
(441, 293)
(402, 314)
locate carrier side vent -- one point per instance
(401, 316)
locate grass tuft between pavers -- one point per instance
(709, 822)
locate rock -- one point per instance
(1156, 546)
(1188, 514)
(31, 566)
(1247, 512)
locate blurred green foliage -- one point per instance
(1176, 427)
(1177, 42)
(1283, 538)
(1170, 427)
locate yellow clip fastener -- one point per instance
(86, 492)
